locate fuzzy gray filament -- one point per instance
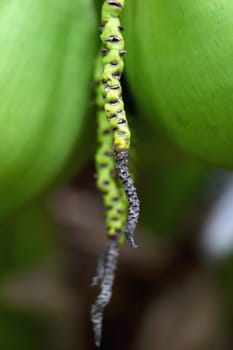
(131, 193)
(105, 275)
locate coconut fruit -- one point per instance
(47, 53)
(180, 69)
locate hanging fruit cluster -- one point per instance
(178, 67)
(114, 180)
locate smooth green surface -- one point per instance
(168, 182)
(22, 330)
(27, 240)
(47, 51)
(179, 64)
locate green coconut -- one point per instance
(180, 69)
(47, 53)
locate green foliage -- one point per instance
(169, 182)
(26, 240)
(21, 330)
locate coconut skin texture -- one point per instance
(47, 53)
(179, 66)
